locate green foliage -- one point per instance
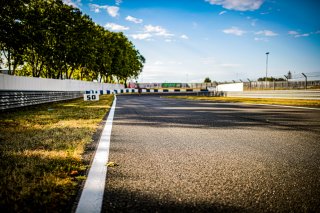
(207, 80)
(49, 39)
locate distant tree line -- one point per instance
(48, 39)
(271, 79)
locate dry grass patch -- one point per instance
(274, 101)
(41, 150)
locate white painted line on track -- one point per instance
(92, 194)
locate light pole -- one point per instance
(267, 54)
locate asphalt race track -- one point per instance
(193, 156)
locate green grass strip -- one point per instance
(272, 101)
(41, 149)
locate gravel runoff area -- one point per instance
(194, 156)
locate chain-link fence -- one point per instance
(286, 82)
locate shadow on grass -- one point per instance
(38, 184)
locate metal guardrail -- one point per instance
(14, 99)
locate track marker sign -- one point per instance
(91, 97)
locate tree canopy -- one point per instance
(49, 39)
(207, 80)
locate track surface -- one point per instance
(179, 155)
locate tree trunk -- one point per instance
(9, 62)
(125, 83)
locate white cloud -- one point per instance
(234, 31)
(302, 35)
(134, 20)
(157, 30)
(115, 27)
(96, 8)
(141, 36)
(222, 12)
(113, 11)
(184, 37)
(73, 3)
(292, 32)
(266, 33)
(298, 35)
(240, 5)
(118, 2)
(168, 40)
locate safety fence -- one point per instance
(281, 85)
(14, 99)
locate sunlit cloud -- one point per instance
(234, 31)
(240, 5)
(115, 27)
(157, 30)
(266, 33)
(298, 35)
(292, 32)
(113, 11)
(73, 3)
(141, 36)
(222, 12)
(134, 20)
(302, 35)
(184, 37)
(118, 2)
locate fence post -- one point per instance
(306, 84)
(249, 83)
(274, 84)
(287, 80)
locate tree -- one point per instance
(12, 35)
(207, 80)
(270, 79)
(53, 40)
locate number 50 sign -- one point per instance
(91, 97)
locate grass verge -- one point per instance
(41, 149)
(274, 101)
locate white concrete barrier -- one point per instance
(21, 83)
(235, 87)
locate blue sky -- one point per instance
(188, 40)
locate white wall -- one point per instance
(9, 82)
(235, 87)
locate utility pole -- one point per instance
(267, 54)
